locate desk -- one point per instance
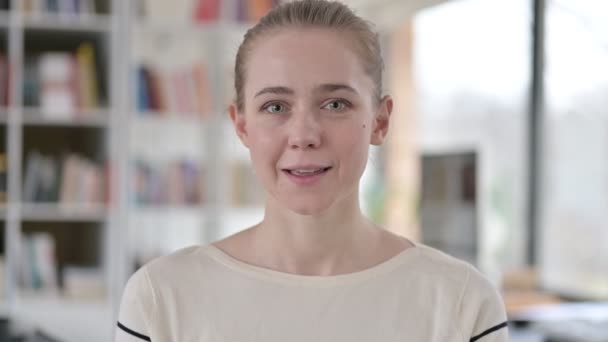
(567, 322)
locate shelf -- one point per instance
(56, 212)
(58, 22)
(191, 210)
(163, 118)
(97, 118)
(67, 319)
(155, 27)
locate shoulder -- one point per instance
(479, 305)
(170, 270)
(441, 266)
(473, 284)
(143, 282)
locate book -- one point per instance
(82, 182)
(58, 97)
(242, 11)
(87, 78)
(174, 183)
(62, 84)
(58, 7)
(52, 6)
(142, 89)
(252, 10)
(207, 10)
(183, 91)
(39, 263)
(258, 8)
(69, 180)
(31, 84)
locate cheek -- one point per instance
(354, 144)
(262, 146)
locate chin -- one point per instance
(311, 208)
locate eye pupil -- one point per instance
(336, 105)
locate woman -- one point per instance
(308, 81)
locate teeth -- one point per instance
(306, 172)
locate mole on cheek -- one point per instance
(364, 126)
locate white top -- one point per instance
(201, 294)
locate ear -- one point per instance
(239, 122)
(381, 121)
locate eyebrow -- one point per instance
(328, 87)
(275, 90)
(331, 87)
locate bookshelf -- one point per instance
(167, 126)
(57, 127)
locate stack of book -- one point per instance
(70, 180)
(63, 7)
(185, 91)
(178, 183)
(42, 273)
(62, 84)
(39, 270)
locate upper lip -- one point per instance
(306, 167)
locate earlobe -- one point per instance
(239, 122)
(381, 121)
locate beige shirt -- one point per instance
(201, 294)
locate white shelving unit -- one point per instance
(82, 232)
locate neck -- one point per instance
(328, 243)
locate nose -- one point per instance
(305, 131)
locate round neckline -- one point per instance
(271, 275)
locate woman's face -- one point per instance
(309, 117)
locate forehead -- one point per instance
(302, 59)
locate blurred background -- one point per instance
(115, 148)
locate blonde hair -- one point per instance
(314, 14)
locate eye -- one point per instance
(274, 108)
(336, 105)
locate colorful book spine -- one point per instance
(182, 91)
(207, 10)
(87, 78)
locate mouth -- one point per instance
(307, 172)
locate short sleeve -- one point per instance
(137, 308)
(482, 312)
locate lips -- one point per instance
(306, 175)
(307, 171)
